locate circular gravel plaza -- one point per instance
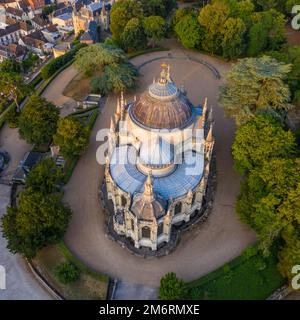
(201, 250)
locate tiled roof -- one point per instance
(14, 11)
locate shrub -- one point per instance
(67, 273)
(12, 117)
(171, 288)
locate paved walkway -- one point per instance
(220, 239)
(134, 291)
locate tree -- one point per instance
(38, 221)
(255, 85)
(258, 39)
(264, 198)
(115, 78)
(289, 255)
(154, 8)
(71, 137)
(121, 12)
(259, 140)
(155, 28)
(212, 18)
(189, 32)
(94, 57)
(233, 38)
(10, 66)
(171, 288)
(12, 87)
(133, 37)
(44, 177)
(38, 121)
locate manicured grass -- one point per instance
(245, 278)
(91, 285)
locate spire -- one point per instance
(210, 116)
(204, 109)
(112, 125)
(134, 98)
(122, 99)
(118, 110)
(148, 188)
(209, 137)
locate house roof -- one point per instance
(39, 20)
(14, 11)
(35, 39)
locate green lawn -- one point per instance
(90, 286)
(249, 276)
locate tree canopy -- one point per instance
(155, 28)
(116, 72)
(71, 137)
(133, 37)
(171, 288)
(189, 32)
(259, 140)
(45, 177)
(265, 197)
(38, 221)
(12, 87)
(255, 85)
(121, 12)
(38, 121)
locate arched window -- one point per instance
(123, 201)
(132, 224)
(160, 229)
(146, 232)
(178, 208)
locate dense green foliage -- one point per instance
(291, 55)
(67, 272)
(38, 121)
(128, 25)
(261, 139)
(54, 65)
(269, 199)
(71, 137)
(188, 31)
(133, 37)
(230, 28)
(45, 177)
(154, 28)
(249, 276)
(12, 87)
(117, 73)
(39, 220)
(255, 85)
(171, 288)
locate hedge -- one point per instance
(49, 69)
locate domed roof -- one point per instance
(146, 205)
(163, 106)
(156, 152)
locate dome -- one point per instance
(146, 205)
(162, 106)
(156, 152)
